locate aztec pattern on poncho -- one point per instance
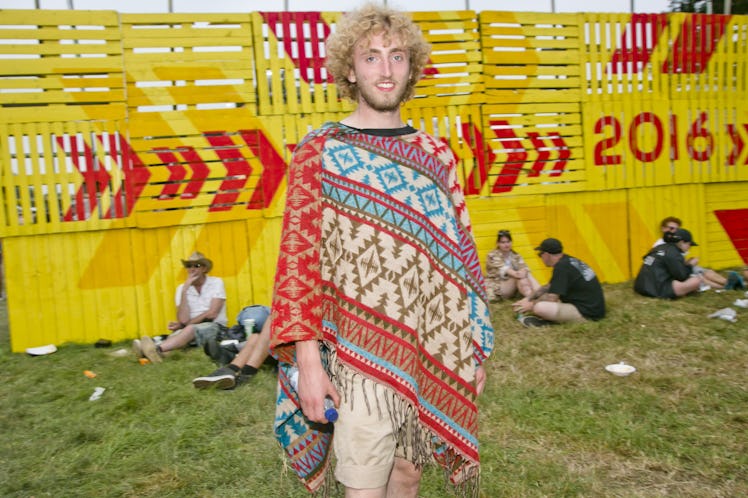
(378, 262)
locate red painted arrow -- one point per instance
(483, 155)
(178, 172)
(737, 140)
(273, 168)
(238, 171)
(516, 157)
(136, 176)
(735, 223)
(95, 179)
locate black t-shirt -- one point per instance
(576, 283)
(662, 264)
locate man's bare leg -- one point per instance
(405, 479)
(256, 350)
(178, 340)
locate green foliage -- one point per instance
(553, 422)
(701, 6)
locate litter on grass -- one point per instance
(727, 314)
(98, 391)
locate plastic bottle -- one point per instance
(249, 326)
(331, 414)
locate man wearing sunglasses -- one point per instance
(201, 311)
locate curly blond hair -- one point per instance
(365, 23)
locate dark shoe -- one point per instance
(223, 378)
(149, 349)
(534, 321)
(221, 355)
(243, 378)
(737, 281)
(732, 280)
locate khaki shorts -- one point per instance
(204, 332)
(365, 440)
(568, 313)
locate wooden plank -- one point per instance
(79, 65)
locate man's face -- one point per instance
(546, 258)
(683, 246)
(195, 270)
(380, 72)
(670, 227)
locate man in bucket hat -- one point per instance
(574, 293)
(201, 311)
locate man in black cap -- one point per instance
(574, 293)
(665, 273)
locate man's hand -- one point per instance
(174, 326)
(314, 384)
(191, 278)
(480, 379)
(524, 305)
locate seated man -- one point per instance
(665, 273)
(667, 225)
(574, 293)
(710, 278)
(244, 365)
(223, 351)
(201, 311)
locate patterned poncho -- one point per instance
(378, 263)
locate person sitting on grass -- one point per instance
(243, 366)
(224, 347)
(201, 311)
(574, 293)
(506, 271)
(710, 278)
(665, 273)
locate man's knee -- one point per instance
(405, 479)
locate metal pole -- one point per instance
(728, 7)
(553, 5)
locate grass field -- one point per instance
(553, 422)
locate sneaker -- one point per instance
(137, 349)
(221, 355)
(734, 281)
(243, 378)
(149, 349)
(534, 321)
(223, 378)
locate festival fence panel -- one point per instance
(127, 141)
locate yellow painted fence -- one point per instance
(127, 141)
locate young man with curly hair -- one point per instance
(379, 299)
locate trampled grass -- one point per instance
(553, 422)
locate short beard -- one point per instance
(387, 106)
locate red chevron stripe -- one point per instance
(735, 223)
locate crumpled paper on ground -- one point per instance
(728, 314)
